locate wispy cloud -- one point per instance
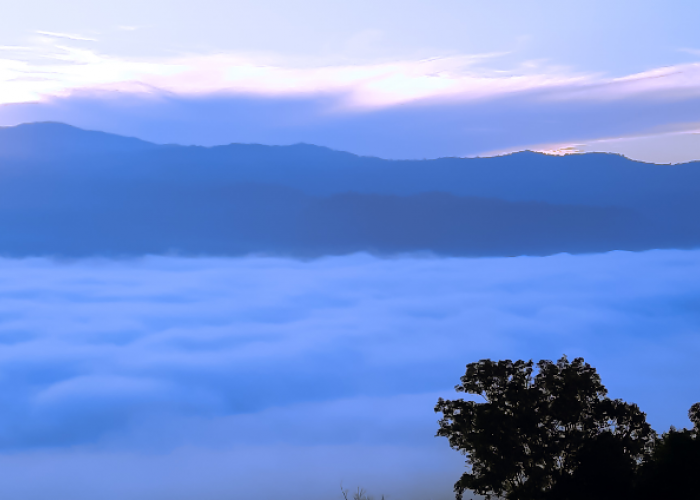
(67, 36)
(373, 85)
(459, 78)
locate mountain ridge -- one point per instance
(60, 129)
(66, 191)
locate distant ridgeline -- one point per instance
(70, 192)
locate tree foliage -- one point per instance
(694, 416)
(672, 469)
(539, 436)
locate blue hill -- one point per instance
(67, 191)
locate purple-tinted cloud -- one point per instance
(423, 128)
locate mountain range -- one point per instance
(71, 192)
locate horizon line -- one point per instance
(501, 155)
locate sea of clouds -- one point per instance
(215, 378)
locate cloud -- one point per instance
(366, 86)
(456, 105)
(67, 36)
(369, 86)
(411, 109)
(111, 366)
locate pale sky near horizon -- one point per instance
(324, 71)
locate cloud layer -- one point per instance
(313, 372)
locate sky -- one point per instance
(217, 378)
(407, 79)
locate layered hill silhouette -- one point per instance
(70, 192)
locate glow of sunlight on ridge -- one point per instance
(671, 147)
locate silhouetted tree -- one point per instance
(542, 436)
(673, 470)
(694, 416)
(602, 470)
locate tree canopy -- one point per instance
(694, 416)
(671, 470)
(553, 434)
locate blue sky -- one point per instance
(394, 79)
